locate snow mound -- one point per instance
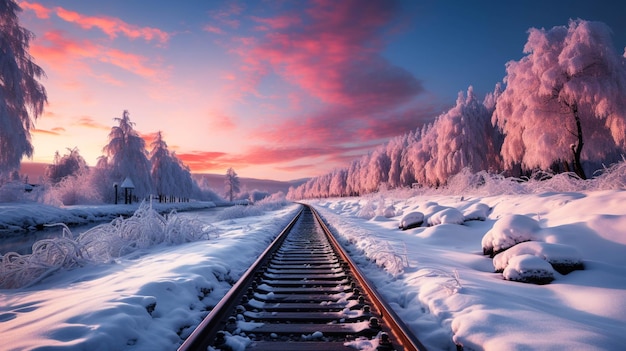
(476, 212)
(508, 231)
(563, 258)
(411, 220)
(389, 211)
(529, 269)
(447, 215)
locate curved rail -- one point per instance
(303, 293)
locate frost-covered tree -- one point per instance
(164, 167)
(567, 92)
(69, 164)
(170, 177)
(465, 138)
(338, 181)
(127, 156)
(186, 185)
(231, 183)
(377, 171)
(22, 97)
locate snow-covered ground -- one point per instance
(445, 289)
(146, 299)
(435, 276)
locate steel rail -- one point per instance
(200, 339)
(400, 331)
(292, 307)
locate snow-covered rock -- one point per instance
(476, 212)
(508, 231)
(563, 258)
(529, 269)
(448, 215)
(411, 220)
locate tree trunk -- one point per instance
(578, 148)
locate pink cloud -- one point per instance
(202, 161)
(221, 121)
(47, 132)
(225, 16)
(335, 54)
(130, 62)
(58, 49)
(336, 126)
(89, 122)
(111, 26)
(40, 10)
(213, 29)
(281, 22)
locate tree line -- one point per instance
(158, 171)
(562, 109)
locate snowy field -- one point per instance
(435, 275)
(445, 289)
(146, 299)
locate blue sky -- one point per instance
(275, 89)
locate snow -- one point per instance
(411, 220)
(436, 277)
(561, 257)
(529, 269)
(508, 231)
(144, 301)
(444, 288)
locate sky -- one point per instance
(277, 90)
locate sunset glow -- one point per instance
(275, 90)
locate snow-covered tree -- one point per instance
(465, 138)
(377, 171)
(338, 181)
(127, 156)
(22, 97)
(231, 183)
(69, 164)
(164, 170)
(170, 177)
(568, 91)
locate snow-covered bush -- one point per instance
(613, 177)
(411, 220)
(368, 211)
(274, 201)
(73, 190)
(529, 269)
(508, 231)
(563, 258)
(100, 244)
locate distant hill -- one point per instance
(216, 182)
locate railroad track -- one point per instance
(303, 293)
